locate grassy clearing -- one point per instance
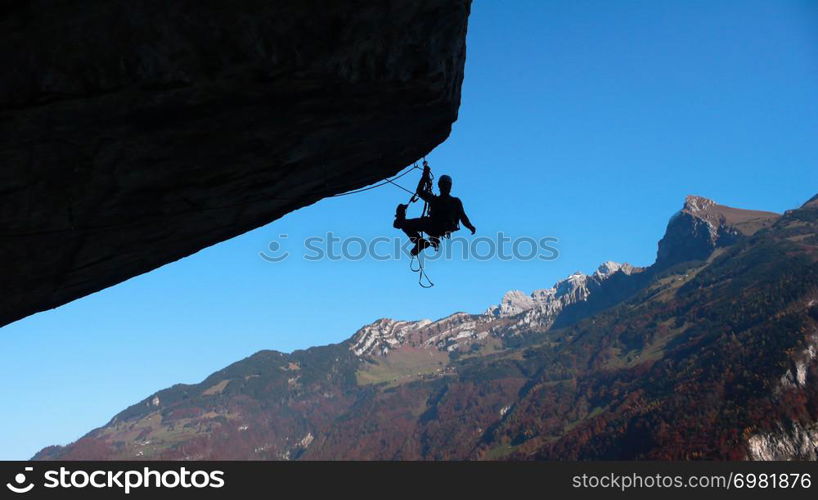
(215, 389)
(499, 452)
(402, 366)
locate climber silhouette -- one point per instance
(445, 214)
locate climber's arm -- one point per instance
(465, 220)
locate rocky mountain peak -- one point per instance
(608, 268)
(697, 204)
(575, 288)
(517, 312)
(515, 302)
(702, 225)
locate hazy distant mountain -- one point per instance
(709, 353)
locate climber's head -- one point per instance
(444, 183)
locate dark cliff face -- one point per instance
(134, 133)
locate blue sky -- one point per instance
(588, 121)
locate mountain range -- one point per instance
(709, 353)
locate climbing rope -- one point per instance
(421, 272)
(427, 186)
(196, 210)
(420, 269)
(414, 197)
(399, 186)
(385, 182)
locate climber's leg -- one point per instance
(413, 228)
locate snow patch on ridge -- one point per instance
(574, 288)
(516, 313)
